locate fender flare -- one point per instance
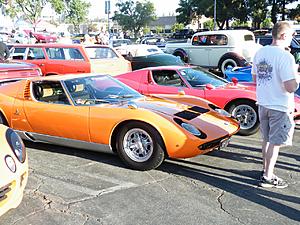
(240, 59)
(184, 54)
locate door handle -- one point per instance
(41, 64)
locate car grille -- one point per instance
(4, 191)
(212, 144)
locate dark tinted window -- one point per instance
(167, 78)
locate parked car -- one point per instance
(120, 45)
(239, 99)
(57, 58)
(20, 37)
(14, 169)
(243, 74)
(183, 34)
(102, 114)
(294, 47)
(159, 59)
(12, 71)
(156, 40)
(217, 49)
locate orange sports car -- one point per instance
(14, 169)
(98, 112)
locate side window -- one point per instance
(18, 52)
(49, 92)
(167, 78)
(72, 54)
(100, 53)
(35, 53)
(200, 40)
(55, 53)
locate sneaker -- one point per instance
(276, 182)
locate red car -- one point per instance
(239, 99)
(12, 71)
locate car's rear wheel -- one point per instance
(246, 112)
(230, 60)
(140, 146)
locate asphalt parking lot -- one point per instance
(74, 187)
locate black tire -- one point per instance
(246, 112)
(230, 60)
(3, 120)
(152, 141)
(182, 56)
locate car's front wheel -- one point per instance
(140, 146)
(246, 112)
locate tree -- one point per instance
(134, 16)
(258, 12)
(76, 12)
(295, 13)
(177, 26)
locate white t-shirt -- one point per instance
(273, 65)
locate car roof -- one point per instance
(59, 45)
(227, 32)
(175, 67)
(65, 77)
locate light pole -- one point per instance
(107, 11)
(215, 14)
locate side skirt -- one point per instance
(35, 137)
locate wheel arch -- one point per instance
(184, 54)
(116, 130)
(233, 101)
(3, 116)
(233, 55)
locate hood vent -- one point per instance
(27, 90)
(188, 115)
(199, 109)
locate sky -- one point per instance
(163, 7)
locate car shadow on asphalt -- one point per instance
(242, 183)
(110, 159)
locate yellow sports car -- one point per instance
(98, 112)
(14, 169)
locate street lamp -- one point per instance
(215, 14)
(107, 11)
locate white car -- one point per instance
(217, 49)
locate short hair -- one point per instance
(279, 28)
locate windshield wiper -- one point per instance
(120, 96)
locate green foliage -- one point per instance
(295, 13)
(77, 11)
(177, 26)
(134, 16)
(209, 24)
(146, 30)
(159, 29)
(267, 23)
(238, 23)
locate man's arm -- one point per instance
(291, 85)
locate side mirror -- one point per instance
(209, 86)
(234, 81)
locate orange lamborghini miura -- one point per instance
(99, 113)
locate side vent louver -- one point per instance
(27, 90)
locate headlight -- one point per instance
(223, 112)
(16, 145)
(190, 128)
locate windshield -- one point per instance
(198, 77)
(98, 89)
(100, 53)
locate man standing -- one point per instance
(4, 51)
(275, 73)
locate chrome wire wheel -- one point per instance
(138, 145)
(246, 115)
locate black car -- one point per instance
(295, 46)
(159, 59)
(183, 34)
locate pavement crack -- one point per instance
(157, 182)
(219, 199)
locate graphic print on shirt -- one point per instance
(264, 72)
